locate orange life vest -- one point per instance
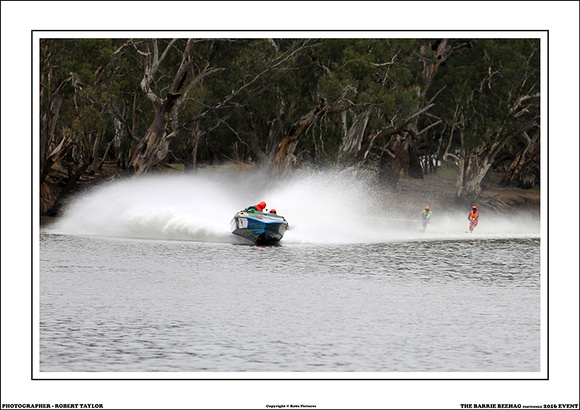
(473, 217)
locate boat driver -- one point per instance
(259, 207)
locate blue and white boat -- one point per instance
(259, 227)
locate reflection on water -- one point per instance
(115, 304)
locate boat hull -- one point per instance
(258, 227)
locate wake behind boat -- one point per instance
(259, 227)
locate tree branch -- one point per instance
(427, 128)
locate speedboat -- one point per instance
(259, 227)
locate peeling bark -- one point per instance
(473, 166)
(154, 145)
(352, 139)
(284, 158)
(191, 148)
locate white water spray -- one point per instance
(321, 207)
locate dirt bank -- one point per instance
(439, 193)
(436, 190)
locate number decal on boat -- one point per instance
(242, 223)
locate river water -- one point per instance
(146, 277)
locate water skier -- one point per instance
(473, 218)
(425, 215)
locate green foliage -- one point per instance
(486, 83)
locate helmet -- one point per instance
(474, 208)
(427, 208)
(262, 204)
(272, 211)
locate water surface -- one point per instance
(144, 275)
(109, 304)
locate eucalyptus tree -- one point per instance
(491, 99)
(62, 63)
(280, 102)
(164, 85)
(374, 103)
(52, 89)
(383, 98)
(257, 107)
(523, 170)
(72, 122)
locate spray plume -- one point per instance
(320, 206)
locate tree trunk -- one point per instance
(524, 170)
(119, 135)
(441, 51)
(95, 151)
(473, 165)
(352, 138)
(400, 154)
(154, 146)
(72, 180)
(284, 158)
(472, 170)
(454, 124)
(48, 132)
(191, 148)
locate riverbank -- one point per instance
(436, 190)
